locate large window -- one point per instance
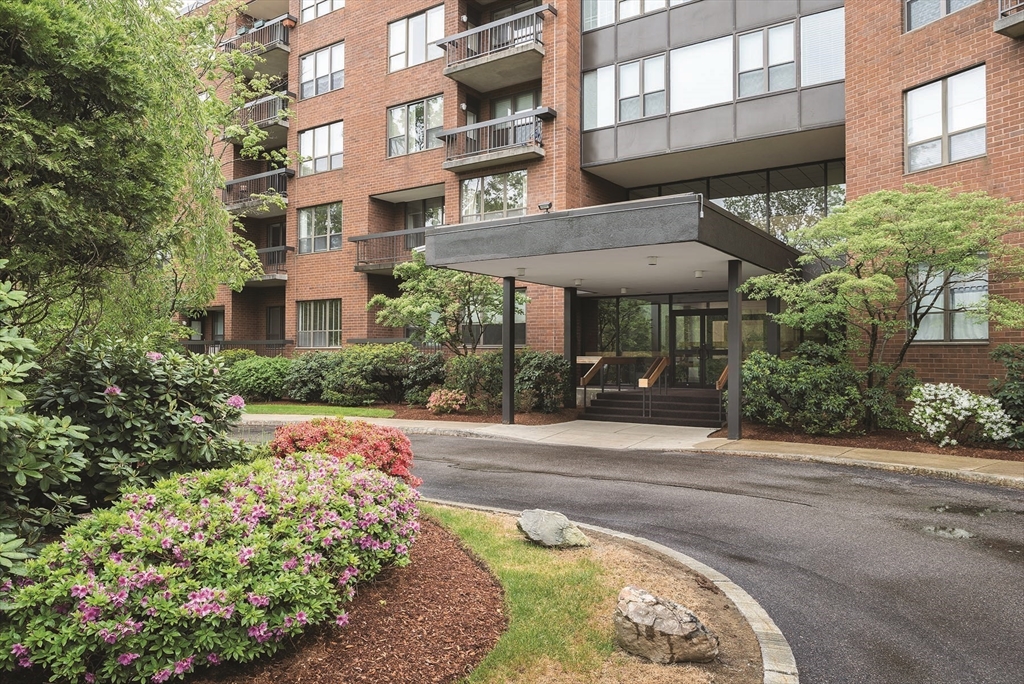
(492, 330)
(413, 127)
(599, 98)
(702, 74)
(597, 13)
(823, 47)
(921, 12)
(311, 9)
(410, 39)
(492, 197)
(320, 323)
(321, 149)
(322, 71)
(766, 60)
(642, 88)
(948, 301)
(946, 120)
(320, 228)
(425, 213)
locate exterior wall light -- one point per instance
(652, 261)
(520, 272)
(698, 274)
(545, 207)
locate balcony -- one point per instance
(261, 347)
(379, 252)
(275, 267)
(500, 54)
(1011, 19)
(499, 141)
(264, 195)
(267, 114)
(268, 39)
(266, 9)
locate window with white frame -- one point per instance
(702, 74)
(320, 228)
(598, 13)
(921, 12)
(410, 39)
(319, 323)
(823, 47)
(322, 71)
(491, 197)
(766, 60)
(950, 304)
(321, 149)
(414, 126)
(945, 120)
(642, 88)
(311, 9)
(599, 98)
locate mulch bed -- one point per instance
(404, 412)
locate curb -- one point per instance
(777, 660)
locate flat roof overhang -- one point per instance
(608, 247)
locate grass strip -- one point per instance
(553, 598)
(319, 410)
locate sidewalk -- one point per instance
(635, 436)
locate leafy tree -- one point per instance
(879, 262)
(442, 306)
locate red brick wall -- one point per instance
(882, 62)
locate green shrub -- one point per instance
(260, 378)
(1010, 390)
(542, 380)
(148, 414)
(478, 376)
(305, 379)
(229, 357)
(372, 373)
(951, 415)
(205, 568)
(812, 393)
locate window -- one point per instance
(414, 127)
(320, 228)
(425, 213)
(321, 149)
(766, 60)
(599, 98)
(410, 39)
(921, 12)
(311, 9)
(320, 323)
(702, 74)
(492, 197)
(948, 301)
(823, 47)
(598, 13)
(492, 330)
(946, 120)
(642, 88)
(322, 71)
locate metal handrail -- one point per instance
(265, 110)
(274, 259)
(1008, 7)
(387, 249)
(271, 34)
(518, 29)
(240, 190)
(519, 130)
(261, 347)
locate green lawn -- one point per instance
(320, 410)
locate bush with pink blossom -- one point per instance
(446, 401)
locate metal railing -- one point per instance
(260, 39)
(381, 250)
(261, 347)
(241, 190)
(274, 259)
(1008, 7)
(264, 111)
(519, 130)
(518, 29)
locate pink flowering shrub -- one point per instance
(204, 568)
(446, 401)
(384, 448)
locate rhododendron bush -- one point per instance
(382, 447)
(205, 568)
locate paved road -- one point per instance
(838, 556)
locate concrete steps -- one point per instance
(695, 408)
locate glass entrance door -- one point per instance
(701, 347)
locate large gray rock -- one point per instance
(550, 529)
(661, 630)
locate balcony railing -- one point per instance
(262, 38)
(520, 132)
(504, 34)
(266, 110)
(274, 259)
(1010, 22)
(381, 251)
(1008, 7)
(241, 191)
(261, 347)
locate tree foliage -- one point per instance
(444, 307)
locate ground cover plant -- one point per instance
(205, 568)
(385, 448)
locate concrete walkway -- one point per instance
(633, 436)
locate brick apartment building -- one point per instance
(555, 145)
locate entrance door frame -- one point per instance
(704, 351)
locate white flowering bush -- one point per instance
(951, 415)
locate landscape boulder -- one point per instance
(661, 630)
(550, 529)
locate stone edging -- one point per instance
(778, 662)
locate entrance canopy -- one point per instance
(647, 246)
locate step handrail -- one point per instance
(658, 367)
(723, 379)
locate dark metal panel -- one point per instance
(508, 352)
(737, 238)
(597, 146)
(646, 35)
(571, 343)
(823, 105)
(767, 115)
(642, 138)
(735, 349)
(754, 13)
(703, 127)
(696, 22)
(597, 48)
